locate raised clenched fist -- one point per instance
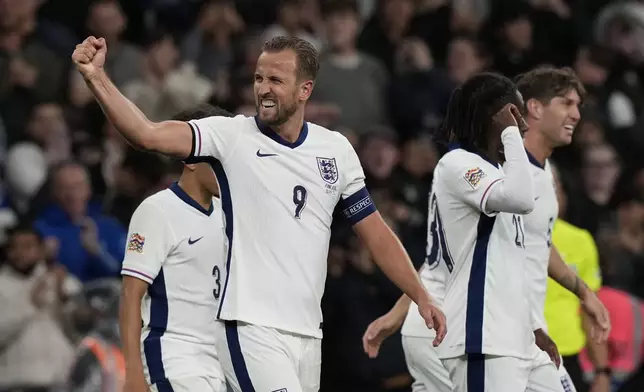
(89, 56)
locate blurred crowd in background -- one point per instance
(69, 182)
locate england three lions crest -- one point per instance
(328, 170)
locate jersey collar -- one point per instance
(454, 146)
(534, 160)
(266, 130)
(181, 194)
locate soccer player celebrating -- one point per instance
(476, 234)
(171, 281)
(280, 180)
(552, 97)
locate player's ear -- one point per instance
(306, 88)
(535, 108)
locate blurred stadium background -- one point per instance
(69, 183)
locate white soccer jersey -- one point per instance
(433, 275)
(177, 247)
(485, 301)
(278, 200)
(538, 229)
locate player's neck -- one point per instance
(290, 130)
(196, 191)
(537, 146)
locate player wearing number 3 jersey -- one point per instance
(172, 278)
(281, 179)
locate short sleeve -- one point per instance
(149, 242)
(470, 179)
(589, 270)
(214, 137)
(355, 201)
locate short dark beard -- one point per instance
(284, 113)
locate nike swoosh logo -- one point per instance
(259, 154)
(190, 241)
(537, 198)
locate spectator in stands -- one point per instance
(91, 244)
(419, 90)
(623, 247)
(99, 364)
(412, 182)
(379, 155)
(25, 173)
(35, 354)
(210, 44)
(567, 326)
(290, 22)
(600, 172)
(349, 80)
(513, 49)
(139, 175)
(106, 20)
(29, 71)
(165, 88)
(466, 56)
(385, 31)
(48, 129)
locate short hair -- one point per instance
(331, 7)
(546, 83)
(24, 228)
(480, 48)
(307, 56)
(203, 110)
(69, 163)
(471, 108)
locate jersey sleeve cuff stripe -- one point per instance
(486, 194)
(358, 206)
(198, 149)
(196, 140)
(137, 274)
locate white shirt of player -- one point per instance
(538, 229)
(433, 274)
(278, 200)
(485, 296)
(177, 247)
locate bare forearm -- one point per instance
(122, 113)
(130, 327)
(390, 256)
(597, 352)
(561, 273)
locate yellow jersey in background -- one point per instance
(577, 248)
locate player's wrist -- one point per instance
(510, 132)
(97, 76)
(603, 371)
(583, 292)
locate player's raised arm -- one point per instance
(148, 243)
(172, 138)
(482, 186)
(384, 246)
(515, 193)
